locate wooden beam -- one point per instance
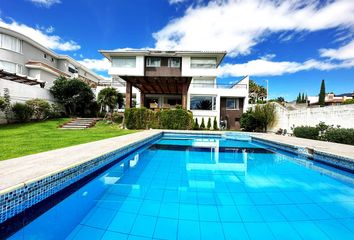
(128, 95)
(184, 96)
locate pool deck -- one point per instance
(17, 172)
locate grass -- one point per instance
(22, 139)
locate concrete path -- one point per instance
(320, 146)
(16, 171)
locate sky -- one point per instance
(291, 44)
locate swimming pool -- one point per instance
(195, 187)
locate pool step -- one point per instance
(80, 123)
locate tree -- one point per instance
(303, 98)
(298, 99)
(215, 124)
(322, 95)
(75, 95)
(209, 124)
(259, 118)
(256, 91)
(108, 97)
(196, 124)
(202, 125)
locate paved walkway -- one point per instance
(320, 146)
(17, 171)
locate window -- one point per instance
(203, 103)
(153, 62)
(45, 55)
(203, 62)
(203, 83)
(124, 62)
(232, 104)
(174, 62)
(11, 67)
(11, 43)
(72, 68)
(52, 59)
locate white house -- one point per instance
(165, 79)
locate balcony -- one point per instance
(163, 71)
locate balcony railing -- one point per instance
(218, 85)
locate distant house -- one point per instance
(165, 79)
(331, 99)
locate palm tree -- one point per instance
(108, 97)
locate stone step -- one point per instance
(80, 123)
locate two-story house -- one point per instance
(187, 78)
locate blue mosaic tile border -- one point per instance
(18, 200)
(186, 135)
(329, 159)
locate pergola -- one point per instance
(19, 78)
(156, 85)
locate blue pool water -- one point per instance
(205, 188)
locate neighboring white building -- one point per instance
(26, 65)
(165, 79)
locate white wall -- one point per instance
(342, 115)
(20, 92)
(137, 71)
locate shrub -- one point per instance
(340, 135)
(56, 111)
(259, 118)
(202, 125)
(348, 101)
(41, 108)
(23, 112)
(117, 117)
(209, 124)
(306, 132)
(196, 124)
(215, 124)
(2, 104)
(142, 118)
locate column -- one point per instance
(142, 99)
(128, 95)
(184, 96)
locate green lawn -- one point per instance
(18, 140)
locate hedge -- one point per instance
(143, 118)
(306, 132)
(340, 135)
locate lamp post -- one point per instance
(267, 89)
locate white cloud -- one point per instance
(264, 67)
(45, 3)
(345, 52)
(238, 25)
(96, 64)
(176, 1)
(41, 36)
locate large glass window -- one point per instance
(124, 62)
(11, 67)
(174, 62)
(232, 104)
(203, 102)
(203, 62)
(11, 43)
(153, 62)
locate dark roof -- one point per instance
(19, 78)
(344, 94)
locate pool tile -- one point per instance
(150, 207)
(314, 212)
(228, 214)
(108, 235)
(99, 218)
(242, 199)
(169, 210)
(188, 212)
(235, 231)
(224, 199)
(260, 198)
(283, 230)
(279, 198)
(208, 213)
(144, 226)
(259, 231)
(308, 230)
(346, 210)
(270, 213)
(122, 222)
(298, 197)
(166, 228)
(86, 232)
(334, 229)
(292, 213)
(249, 214)
(130, 206)
(211, 230)
(171, 196)
(188, 230)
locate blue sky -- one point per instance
(293, 44)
